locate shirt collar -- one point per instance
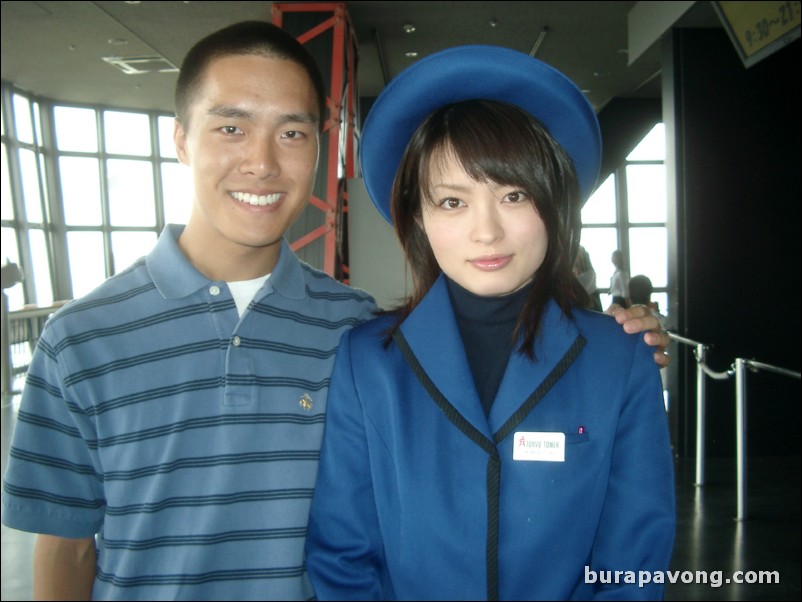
(175, 277)
(287, 278)
(172, 273)
(475, 308)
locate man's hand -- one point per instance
(639, 318)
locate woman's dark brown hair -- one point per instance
(500, 143)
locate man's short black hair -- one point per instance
(248, 37)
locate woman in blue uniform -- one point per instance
(491, 438)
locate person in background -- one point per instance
(619, 282)
(583, 268)
(491, 438)
(640, 293)
(168, 437)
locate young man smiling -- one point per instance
(168, 438)
(251, 138)
(176, 412)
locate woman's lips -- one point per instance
(491, 263)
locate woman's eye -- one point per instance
(450, 203)
(515, 197)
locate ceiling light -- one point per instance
(542, 36)
(137, 65)
(411, 55)
(408, 28)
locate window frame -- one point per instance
(623, 227)
(53, 224)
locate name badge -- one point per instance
(539, 447)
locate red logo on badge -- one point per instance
(581, 430)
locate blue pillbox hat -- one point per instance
(476, 72)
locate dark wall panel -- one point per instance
(738, 141)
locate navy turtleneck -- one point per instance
(486, 325)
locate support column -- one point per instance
(320, 235)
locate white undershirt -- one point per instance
(245, 290)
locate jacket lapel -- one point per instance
(525, 381)
(433, 337)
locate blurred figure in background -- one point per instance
(583, 268)
(619, 283)
(640, 293)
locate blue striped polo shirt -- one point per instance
(185, 437)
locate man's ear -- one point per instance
(180, 139)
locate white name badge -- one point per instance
(539, 447)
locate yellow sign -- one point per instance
(756, 26)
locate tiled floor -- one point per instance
(708, 537)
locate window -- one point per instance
(628, 212)
(86, 190)
(25, 216)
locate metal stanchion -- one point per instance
(740, 421)
(700, 355)
(739, 371)
(700, 415)
(740, 436)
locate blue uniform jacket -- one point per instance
(419, 495)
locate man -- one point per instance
(169, 432)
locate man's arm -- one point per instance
(639, 318)
(63, 569)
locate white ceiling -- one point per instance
(56, 49)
